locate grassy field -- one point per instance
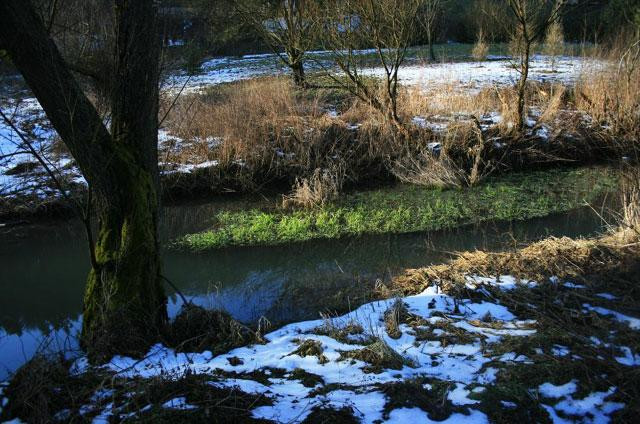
(406, 208)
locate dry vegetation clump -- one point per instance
(610, 94)
(41, 388)
(429, 395)
(266, 130)
(350, 332)
(196, 329)
(446, 100)
(379, 356)
(552, 99)
(480, 48)
(325, 415)
(45, 391)
(564, 258)
(322, 186)
(395, 315)
(427, 169)
(626, 230)
(311, 347)
(554, 43)
(508, 112)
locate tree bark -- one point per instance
(522, 85)
(298, 74)
(124, 303)
(432, 53)
(296, 63)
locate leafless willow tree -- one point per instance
(388, 27)
(429, 13)
(531, 20)
(124, 303)
(285, 27)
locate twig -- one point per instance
(177, 290)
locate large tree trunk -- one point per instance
(127, 280)
(124, 303)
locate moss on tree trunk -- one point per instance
(125, 306)
(124, 302)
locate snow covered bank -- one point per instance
(566, 70)
(453, 349)
(470, 76)
(20, 173)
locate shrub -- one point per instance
(480, 48)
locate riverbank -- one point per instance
(268, 135)
(410, 208)
(476, 340)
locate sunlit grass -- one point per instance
(407, 208)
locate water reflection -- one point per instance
(44, 270)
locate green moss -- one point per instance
(407, 208)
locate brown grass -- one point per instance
(564, 258)
(626, 228)
(196, 329)
(610, 95)
(426, 169)
(480, 48)
(379, 356)
(446, 99)
(322, 186)
(269, 131)
(394, 316)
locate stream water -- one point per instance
(43, 269)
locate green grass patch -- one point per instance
(407, 208)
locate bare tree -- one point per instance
(429, 13)
(124, 303)
(285, 27)
(531, 20)
(388, 26)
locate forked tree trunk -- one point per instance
(124, 303)
(296, 64)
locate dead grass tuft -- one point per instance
(196, 329)
(426, 169)
(480, 48)
(626, 231)
(311, 347)
(412, 393)
(379, 356)
(350, 332)
(610, 94)
(323, 186)
(44, 387)
(396, 315)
